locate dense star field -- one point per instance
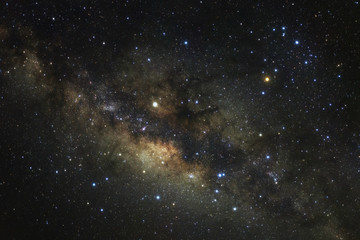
(180, 119)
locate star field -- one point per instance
(180, 119)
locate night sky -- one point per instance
(180, 119)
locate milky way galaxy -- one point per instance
(180, 120)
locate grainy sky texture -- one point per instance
(180, 119)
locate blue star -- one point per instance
(220, 175)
